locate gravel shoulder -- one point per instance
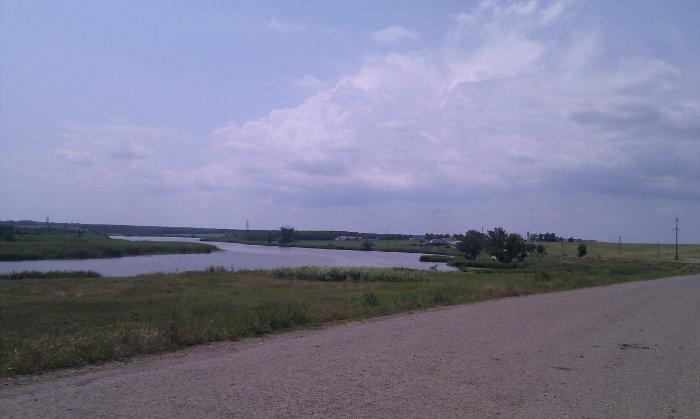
(624, 350)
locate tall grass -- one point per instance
(359, 274)
(50, 274)
(73, 321)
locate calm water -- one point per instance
(233, 255)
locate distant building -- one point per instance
(343, 238)
(443, 242)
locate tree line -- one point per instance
(497, 243)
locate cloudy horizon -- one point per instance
(581, 118)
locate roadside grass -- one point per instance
(68, 322)
(88, 245)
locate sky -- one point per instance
(577, 117)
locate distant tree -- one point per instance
(570, 239)
(516, 248)
(582, 250)
(286, 234)
(496, 243)
(471, 243)
(367, 244)
(269, 237)
(540, 249)
(7, 233)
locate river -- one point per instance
(232, 256)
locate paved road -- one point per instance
(631, 350)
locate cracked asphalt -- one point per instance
(625, 350)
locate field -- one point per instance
(641, 251)
(62, 245)
(51, 323)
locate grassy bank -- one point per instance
(406, 246)
(66, 322)
(63, 245)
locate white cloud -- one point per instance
(394, 34)
(495, 110)
(284, 26)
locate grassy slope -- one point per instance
(62, 322)
(88, 245)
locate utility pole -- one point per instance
(247, 225)
(676, 228)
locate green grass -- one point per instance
(642, 251)
(67, 322)
(88, 245)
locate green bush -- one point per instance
(582, 250)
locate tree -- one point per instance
(582, 250)
(471, 243)
(540, 249)
(367, 244)
(516, 248)
(496, 243)
(286, 234)
(7, 232)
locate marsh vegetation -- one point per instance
(39, 244)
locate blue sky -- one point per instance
(576, 117)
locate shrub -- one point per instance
(435, 258)
(582, 250)
(370, 299)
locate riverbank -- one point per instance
(65, 322)
(404, 246)
(68, 245)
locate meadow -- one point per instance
(640, 251)
(57, 322)
(66, 245)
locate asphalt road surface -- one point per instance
(624, 350)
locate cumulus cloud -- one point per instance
(395, 33)
(497, 109)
